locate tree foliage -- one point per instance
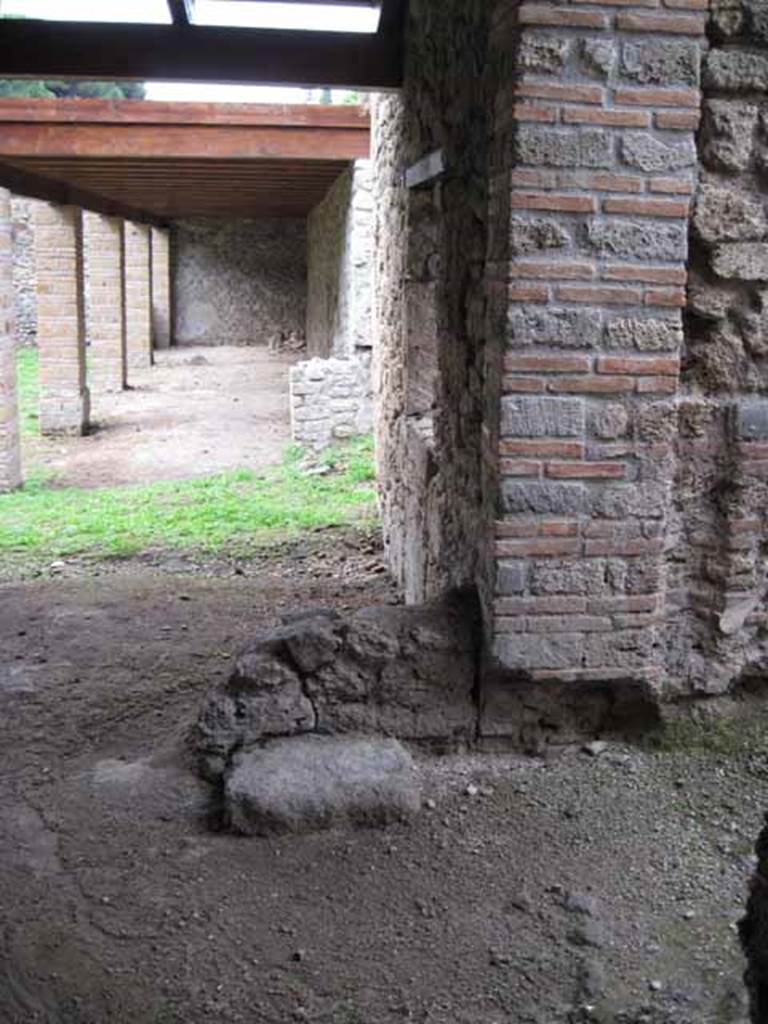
(83, 89)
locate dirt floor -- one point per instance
(199, 410)
(527, 890)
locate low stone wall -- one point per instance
(330, 400)
(238, 282)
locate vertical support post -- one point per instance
(161, 288)
(106, 302)
(64, 399)
(138, 320)
(10, 454)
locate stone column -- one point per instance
(138, 321)
(161, 288)
(106, 302)
(10, 455)
(594, 169)
(64, 400)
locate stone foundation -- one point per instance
(330, 400)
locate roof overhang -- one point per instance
(163, 160)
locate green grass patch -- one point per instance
(28, 375)
(233, 512)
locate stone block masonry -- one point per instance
(64, 399)
(10, 454)
(593, 172)
(138, 311)
(330, 400)
(105, 299)
(161, 288)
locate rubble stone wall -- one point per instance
(429, 301)
(717, 615)
(238, 282)
(24, 280)
(339, 267)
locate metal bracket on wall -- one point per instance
(426, 170)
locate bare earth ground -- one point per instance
(199, 410)
(118, 904)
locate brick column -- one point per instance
(590, 255)
(64, 400)
(161, 289)
(10, 454)
(103, 238)
(138, 325)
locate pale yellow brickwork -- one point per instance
(10, 458)
(161, 289)
(64, 404)
(105, 302)
(138, 323)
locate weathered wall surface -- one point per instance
(716, 632)
(238, 282)
(430, 339)
(24, 282)
(339, 278)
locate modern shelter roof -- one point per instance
(157, 161)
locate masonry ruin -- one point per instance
(564, 327)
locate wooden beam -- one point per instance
(52, 49)
(85, 111)
(35, 186)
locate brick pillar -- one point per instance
(106, 299)
(10, 453)
(161, 289)
(138, 325)
(64, 400)
(595, 167)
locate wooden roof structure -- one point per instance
(186, 51)
(157, 161)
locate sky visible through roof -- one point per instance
(263, 15)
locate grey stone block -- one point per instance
(661, 63)
(528, 416)
(736, 71)
(529, 651)
(575, 148)
(728, 134)
(647, 334)
(639, 149)
(747, 261)
(598, 56)
(511, 577)
(536, 235)
(542, 53)
(751, 418)
(723, 214)
(643, 240)
(543, 497)
(309, 783)
(558, 328)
